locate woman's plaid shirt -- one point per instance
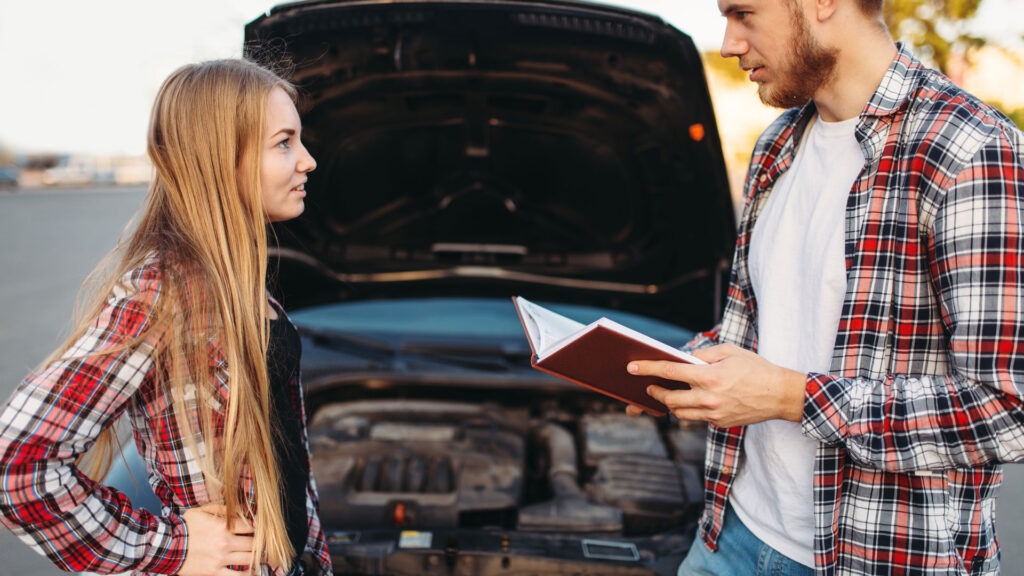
(923, 399)
(57, 413)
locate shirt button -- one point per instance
(763, 178)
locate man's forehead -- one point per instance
(728, 6)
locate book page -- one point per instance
(545, 328)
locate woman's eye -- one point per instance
(283, 144)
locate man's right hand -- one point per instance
(634, 411)
(212, 547)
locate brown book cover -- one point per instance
(595, 355)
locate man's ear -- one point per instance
(826, 9)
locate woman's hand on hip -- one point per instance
(212, 546)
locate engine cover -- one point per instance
(416, 464)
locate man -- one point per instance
(867, 378)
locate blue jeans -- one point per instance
(739, 553)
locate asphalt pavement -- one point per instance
(49, 241)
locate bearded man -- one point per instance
(866, 381)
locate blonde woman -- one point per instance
(180, 336)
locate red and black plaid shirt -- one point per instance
(56, 414)
(923, 399)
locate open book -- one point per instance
(595, 355)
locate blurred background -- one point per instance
(79, 79)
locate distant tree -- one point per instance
(937, 30)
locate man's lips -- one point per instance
(755, 73)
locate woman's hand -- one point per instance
(212, 547)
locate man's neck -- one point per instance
(858, 73)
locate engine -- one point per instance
(425, 464)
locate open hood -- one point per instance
(560, 150)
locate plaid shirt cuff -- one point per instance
(169, 546)
(823, 418)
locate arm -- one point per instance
(973, 415)
(54, 416)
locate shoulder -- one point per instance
(950, 126)
(141, 282)
(135, 298)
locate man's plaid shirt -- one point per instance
(56, 414)
(923, 399)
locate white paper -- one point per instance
(549, 331)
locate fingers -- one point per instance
(237, 525)
(677, 371)
(212, 545)
(693, 404)
(676, 399)
(681, 371)
(236, 543)
(241, 526)
(238, 558)
(717, 353)
(634, 411)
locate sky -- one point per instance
(80, 76)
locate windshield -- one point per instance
(463, 318)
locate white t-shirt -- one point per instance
(798, 272)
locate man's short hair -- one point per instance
(871, 7)
(868, 7)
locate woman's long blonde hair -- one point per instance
(204, 226)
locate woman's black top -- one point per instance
(282, 364)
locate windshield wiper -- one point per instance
(348, 343)
(488, 357)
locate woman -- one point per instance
(181, 337)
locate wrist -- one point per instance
(791, 399)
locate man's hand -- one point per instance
(212, 546)
(736, 387)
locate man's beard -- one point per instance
(810, 67)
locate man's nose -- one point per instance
(733, 44)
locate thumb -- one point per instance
(213, 509)
(715, 353)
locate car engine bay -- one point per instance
(424, 469)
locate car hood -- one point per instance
(560, 150)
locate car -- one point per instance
(470, 151)
(9, 176)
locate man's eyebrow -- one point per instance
(734, 7)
